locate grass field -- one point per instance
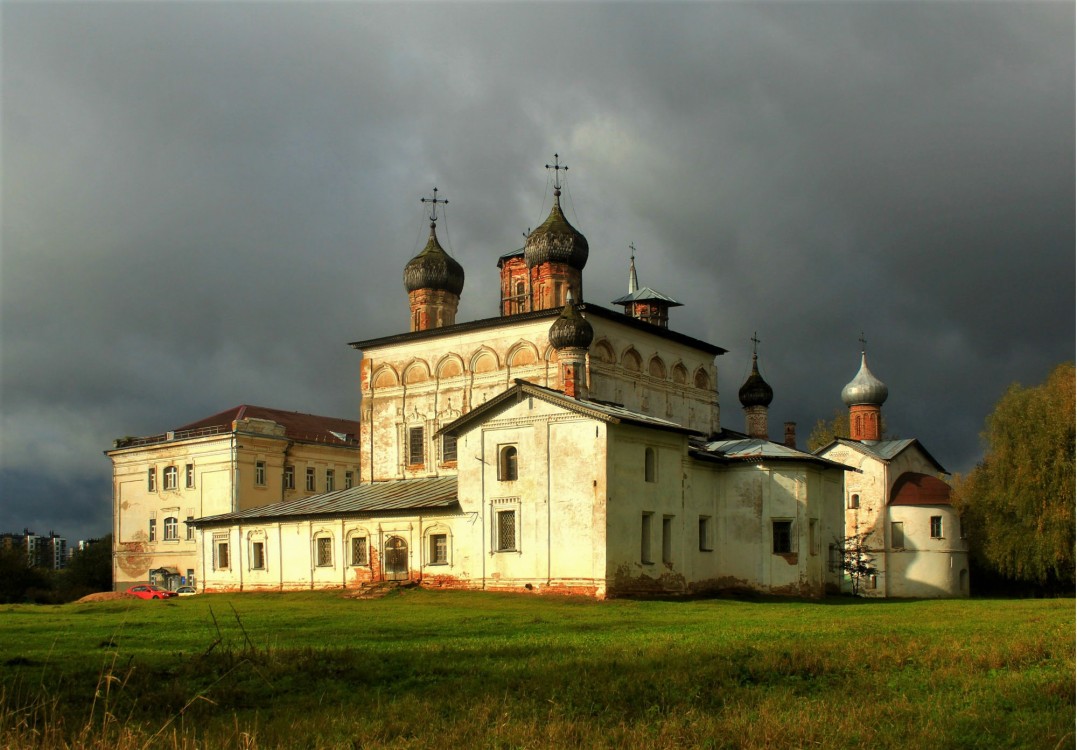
(467, 669)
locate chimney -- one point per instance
(791, 435)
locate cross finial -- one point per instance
(434, 205)
(557, 169)
(528, 232)
(863, 344)
(755, 343)
(632, 247)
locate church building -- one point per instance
(560, 446)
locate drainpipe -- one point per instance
(482, 501)
(343, 558)
(549, 509)
(280, 555)
(310, 551)
(241, 548)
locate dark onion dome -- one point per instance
(570, 330)
(556, 241)
(434, 268)
(756, 391)
(865, 388)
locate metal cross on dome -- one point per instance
(557, 168)
(755, 341)
(434, 205)
(863, 343)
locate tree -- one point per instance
(857, 560)
(90, 570)
(824, 431)
(1017, 505)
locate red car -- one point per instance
(146, 591)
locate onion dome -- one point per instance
(556, 241)
(434, 268)
(570, 330)
(865, 388)
(755, 391)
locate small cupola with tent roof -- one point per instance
(644, 303)
(755, 396)
(555, 254)
(433, 279)
(864, 395)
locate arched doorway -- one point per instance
(396, 559)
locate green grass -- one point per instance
(466, 669)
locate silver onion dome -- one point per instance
(865, 388)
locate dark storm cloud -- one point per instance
(204, 202)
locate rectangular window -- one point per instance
(782, 537)
(260, 473)
(649, 468)
(897, 535)
(330, 480)
(258, 555)
(190, 577)
(667, 539)
(645, 538)
(289, 477)
(222, 555)
(325, 552)
(151, 480)
(415, 447)
(936, 527)
(171, 477)
(813, 538)
(188, 473)
(349, 479)
(439, 549)
(190, 526)
(310, 480)
(153, 528)
(706, 540)
(834, 558)
(506, 531)
(448, 449)
(359, 553)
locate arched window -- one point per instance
(649, 466)
(506, 465)
(854, 501)
(171, 529)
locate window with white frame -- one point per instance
(330, 480)
(936, 527)
(153, 526)
(188, 473)
(171, 477)
(289, 477)
(359, 550)
(151, 479)
(189, 523)
(439, 549)
(507, 464)
(324, 551)
(171, 529)
(221, 557)
(258, 555)
(310, 480)
(416, 446)
(506, 530)
(349, 479)
(260, 473)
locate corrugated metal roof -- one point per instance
(888, 450)
(379, 497)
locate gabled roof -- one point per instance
(297, 426)
(755, 450)
(599, 410)
(525, 317)
(378, 498)
(884, 450)
(646, 294)
(913, 488)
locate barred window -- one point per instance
(439, 549)
(415, 446)
(448, 448)
(325, 551)
(506, 530)
(359, 551)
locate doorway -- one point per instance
(396, 559)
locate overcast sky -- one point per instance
(203, 203)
